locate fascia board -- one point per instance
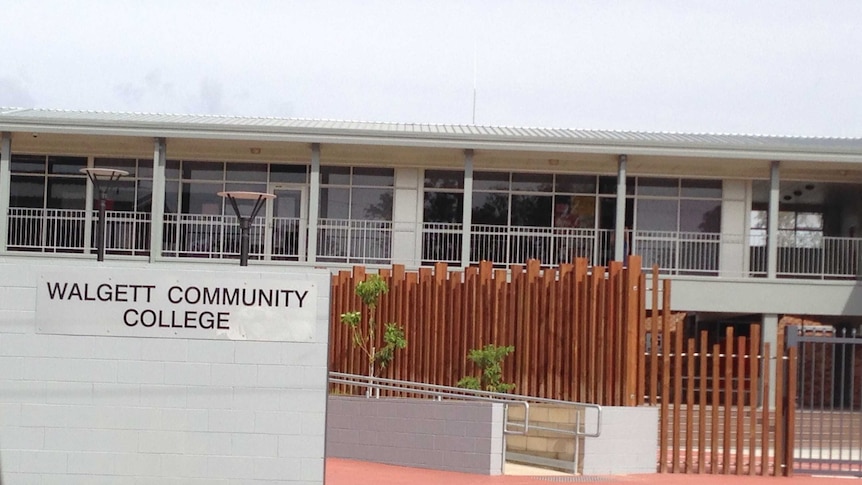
(426, 140)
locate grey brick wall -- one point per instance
(117, 410)
(442, 435)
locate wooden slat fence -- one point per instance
(585, 334)
(572, 326)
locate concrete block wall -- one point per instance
(628, 442)
(118, 410)
(442, 435)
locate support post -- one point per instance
(772, 225)
(467, 216)
(157, 205)
(313, 203)
(5, 188)
(620, 221)
(770, 336)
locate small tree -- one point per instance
(369, 292)
(490, 361)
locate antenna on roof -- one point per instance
(475, 69)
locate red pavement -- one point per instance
(352, 472)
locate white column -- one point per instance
(772, 226)
(620, 224)
(5, 187)
(406, 226)
(157, 207)
(735, 222)
(89, 193)
(467, 217)
(313, 203)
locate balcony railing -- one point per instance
(827, 258)
(64, 231)
(354, 241)
(370, 242)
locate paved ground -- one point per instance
(351, 472)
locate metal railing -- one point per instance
(578, 430)
(507, 245)
(354, 241)
(370, 242)
(695, 253)
(65, 230)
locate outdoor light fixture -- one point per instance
(245, 222)
(101, 177)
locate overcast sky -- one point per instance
(731, 66)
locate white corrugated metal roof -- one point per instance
(150, 124)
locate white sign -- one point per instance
(157, 303)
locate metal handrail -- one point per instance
(440, 392)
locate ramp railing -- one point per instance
(584, 420)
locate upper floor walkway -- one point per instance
(285, 240)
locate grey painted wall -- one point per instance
(757, 295)
(442, 435)
(627, 444)
(77, 409)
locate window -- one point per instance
(46, 203)
(355, 214)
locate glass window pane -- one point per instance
(809, 220)
(66, 192)
(375, 177)
(245, 172)
(127, 164)
(700, 216)
(28, 163)
(656, 215)
(334, 203)
(705, 189)
(608, 185)
(443, 207)
(490, 181)
(202, 198)
(371, 204)
(203, 170)
(172, 169)
(658, 187)
(145, 168)
(144, 196)
(245, 187)
(449, 179)
(786, 220)
(66, 165)
(574, 211)
(577, 184)
(335, 175)
(532, 182)
(786, 239)
(757, 237)
(490, 209)
(291, 174)
(121, 195)
(27, 192)
(809, 239)
(172, 195)
(759, 219)
(531, 210)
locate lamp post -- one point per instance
(101, 177)
(245, 222)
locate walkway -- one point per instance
(351, 472)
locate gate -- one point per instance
(828, 421)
